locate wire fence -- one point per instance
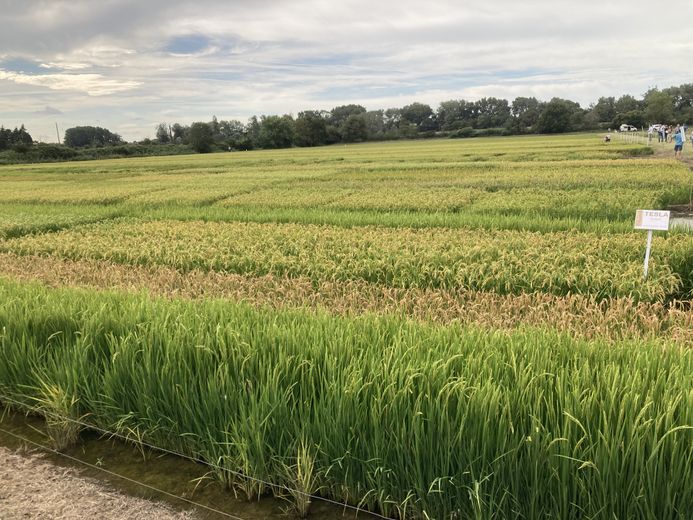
(117, 475)
(140, 443)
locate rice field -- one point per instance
(429, 329)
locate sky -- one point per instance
(128, 65)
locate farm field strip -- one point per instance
(506, 262)
(525, 410)
(581, 316)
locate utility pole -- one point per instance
(57, 132)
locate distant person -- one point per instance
(678, 144)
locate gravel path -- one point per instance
(33, 487)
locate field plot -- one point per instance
(431, 329)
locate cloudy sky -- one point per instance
(130, 64)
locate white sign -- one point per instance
(652, 219)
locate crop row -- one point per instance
(580, 316)
(505, 262)
(409, 420)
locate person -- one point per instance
(678, 144)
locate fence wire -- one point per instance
(138, 442)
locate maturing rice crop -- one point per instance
(409, 420)
(506, 262)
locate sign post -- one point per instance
(651, 220)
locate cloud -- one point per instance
(165, 60)
(91, 84)
(48, 111)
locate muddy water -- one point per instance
(166, 472)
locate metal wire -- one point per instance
(125, 438)
(118, 475)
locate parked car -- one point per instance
(627, 128)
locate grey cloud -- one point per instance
(48, 111)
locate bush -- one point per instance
(467, 131)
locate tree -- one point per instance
(605, 110)
(418, 114)
(375, 124)
(626, 103)
(233, 134)
(310, 128)
(180, 133)
(81, 136)
(659, 107)
(201, 138)
(555, 118)
(163, 133)
(525, 113)
(276, 131)
(492, 112)
(354, 129)
(339, 115)
(18, 139)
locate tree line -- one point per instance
(354, 123)
(453, 118)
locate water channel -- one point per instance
(166, 472)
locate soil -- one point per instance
(33, 487)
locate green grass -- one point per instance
(447, 422)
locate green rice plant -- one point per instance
(61, 410)
(301, 479)
(411, 420)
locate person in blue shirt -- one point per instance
(678, 144)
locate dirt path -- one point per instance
(32, 487)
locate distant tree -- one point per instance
(200, 137)
(456, 114)
(179, 133)
(18, 139)
(310, 128)
(626, 103)
(232, 134)
(81, 136)
(339, 115)
(605, 110)
(555, 118)
(252, 130)
(354, 129)
(492, 112)
(633, 117)
(392, 117)
(659, 107)
(525, 113)
(276, 132)
(163, 133)
(5, 138)
(375, 124)
(420, 115)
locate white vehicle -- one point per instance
(627, 128)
